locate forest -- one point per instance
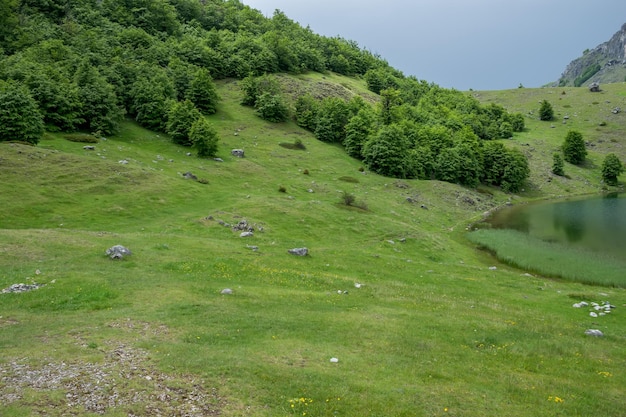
(86, 65)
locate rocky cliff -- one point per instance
(606, 63)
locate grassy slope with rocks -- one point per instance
(431, 331)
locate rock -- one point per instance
(594, 332)
(218, 159)
(357, 285)
(299, 251)
(334, 360)
(89, 148)
(493, 268)
(246, 234)
(616, 110)
(594, 87)
(19, 288)
(226, 291)
(117, 252)
(593, 314)
(239, 153)
(123, 162)
(252, 247)
(189, 176)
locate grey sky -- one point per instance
(463, 44)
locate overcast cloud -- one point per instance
(463, 44)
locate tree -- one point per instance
(574, 148)
(545, 111)
(507, 168)
(180, 119)
(306, 111)
(204, 138)
(151, 101)
(387, 153)
(20, 118)
(612, 167)
(557, 164)
(202, 92)
(272, 107)
(99, 108)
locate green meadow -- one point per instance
(435, 326)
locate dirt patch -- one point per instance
(125, 381)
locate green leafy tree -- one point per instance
(506, 130)
(99, 107)
(306, 109)
(612, 167)
(20, 119)
(574, 148)
(387, 153)
(358, 130)
(204, 138)
(180, 118)
(507, 168)
(332, 118)
(558, 165)
(202, 92)
(151, 98)
(546, 112)
(389, 101)
(272, 107)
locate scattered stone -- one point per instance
(239, 153)
(189, 176)
(89, 148)
(309, 190)
(334, 360)
(594, 332)
(246, 234)
(594, 87)
(493, 268)
(565, 117)
(19, 288)
(391, 242)
(117, 252)
(188, 154)
(218, 159)
(123, 162)
(616, 110)
(424, 207)
(226, 291)
(299, 251)
(593, 314)
(357, 285)
(252, 248)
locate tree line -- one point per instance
(72, 65)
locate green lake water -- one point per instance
(597, 224)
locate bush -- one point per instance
(557, 165)
(272, 107)
(180, 119)
(574, 148)
(348, 199)
(282, 189)
(612, 167)
(545, 111)
(204, 138)
(20, 119)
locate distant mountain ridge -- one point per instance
(606, 63)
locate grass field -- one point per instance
(432, 330)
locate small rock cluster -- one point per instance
(18, 288)
(596, 309)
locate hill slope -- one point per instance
(430, 330)
(606, 63)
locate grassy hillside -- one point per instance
(432, 329)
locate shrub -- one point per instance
(557, 164)
(545, 111)
(612, 167)
(20, 119)
(272, 107)
(348, 199)
(574, 148)
(282, 189)
(204, 138)
(305, 172)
